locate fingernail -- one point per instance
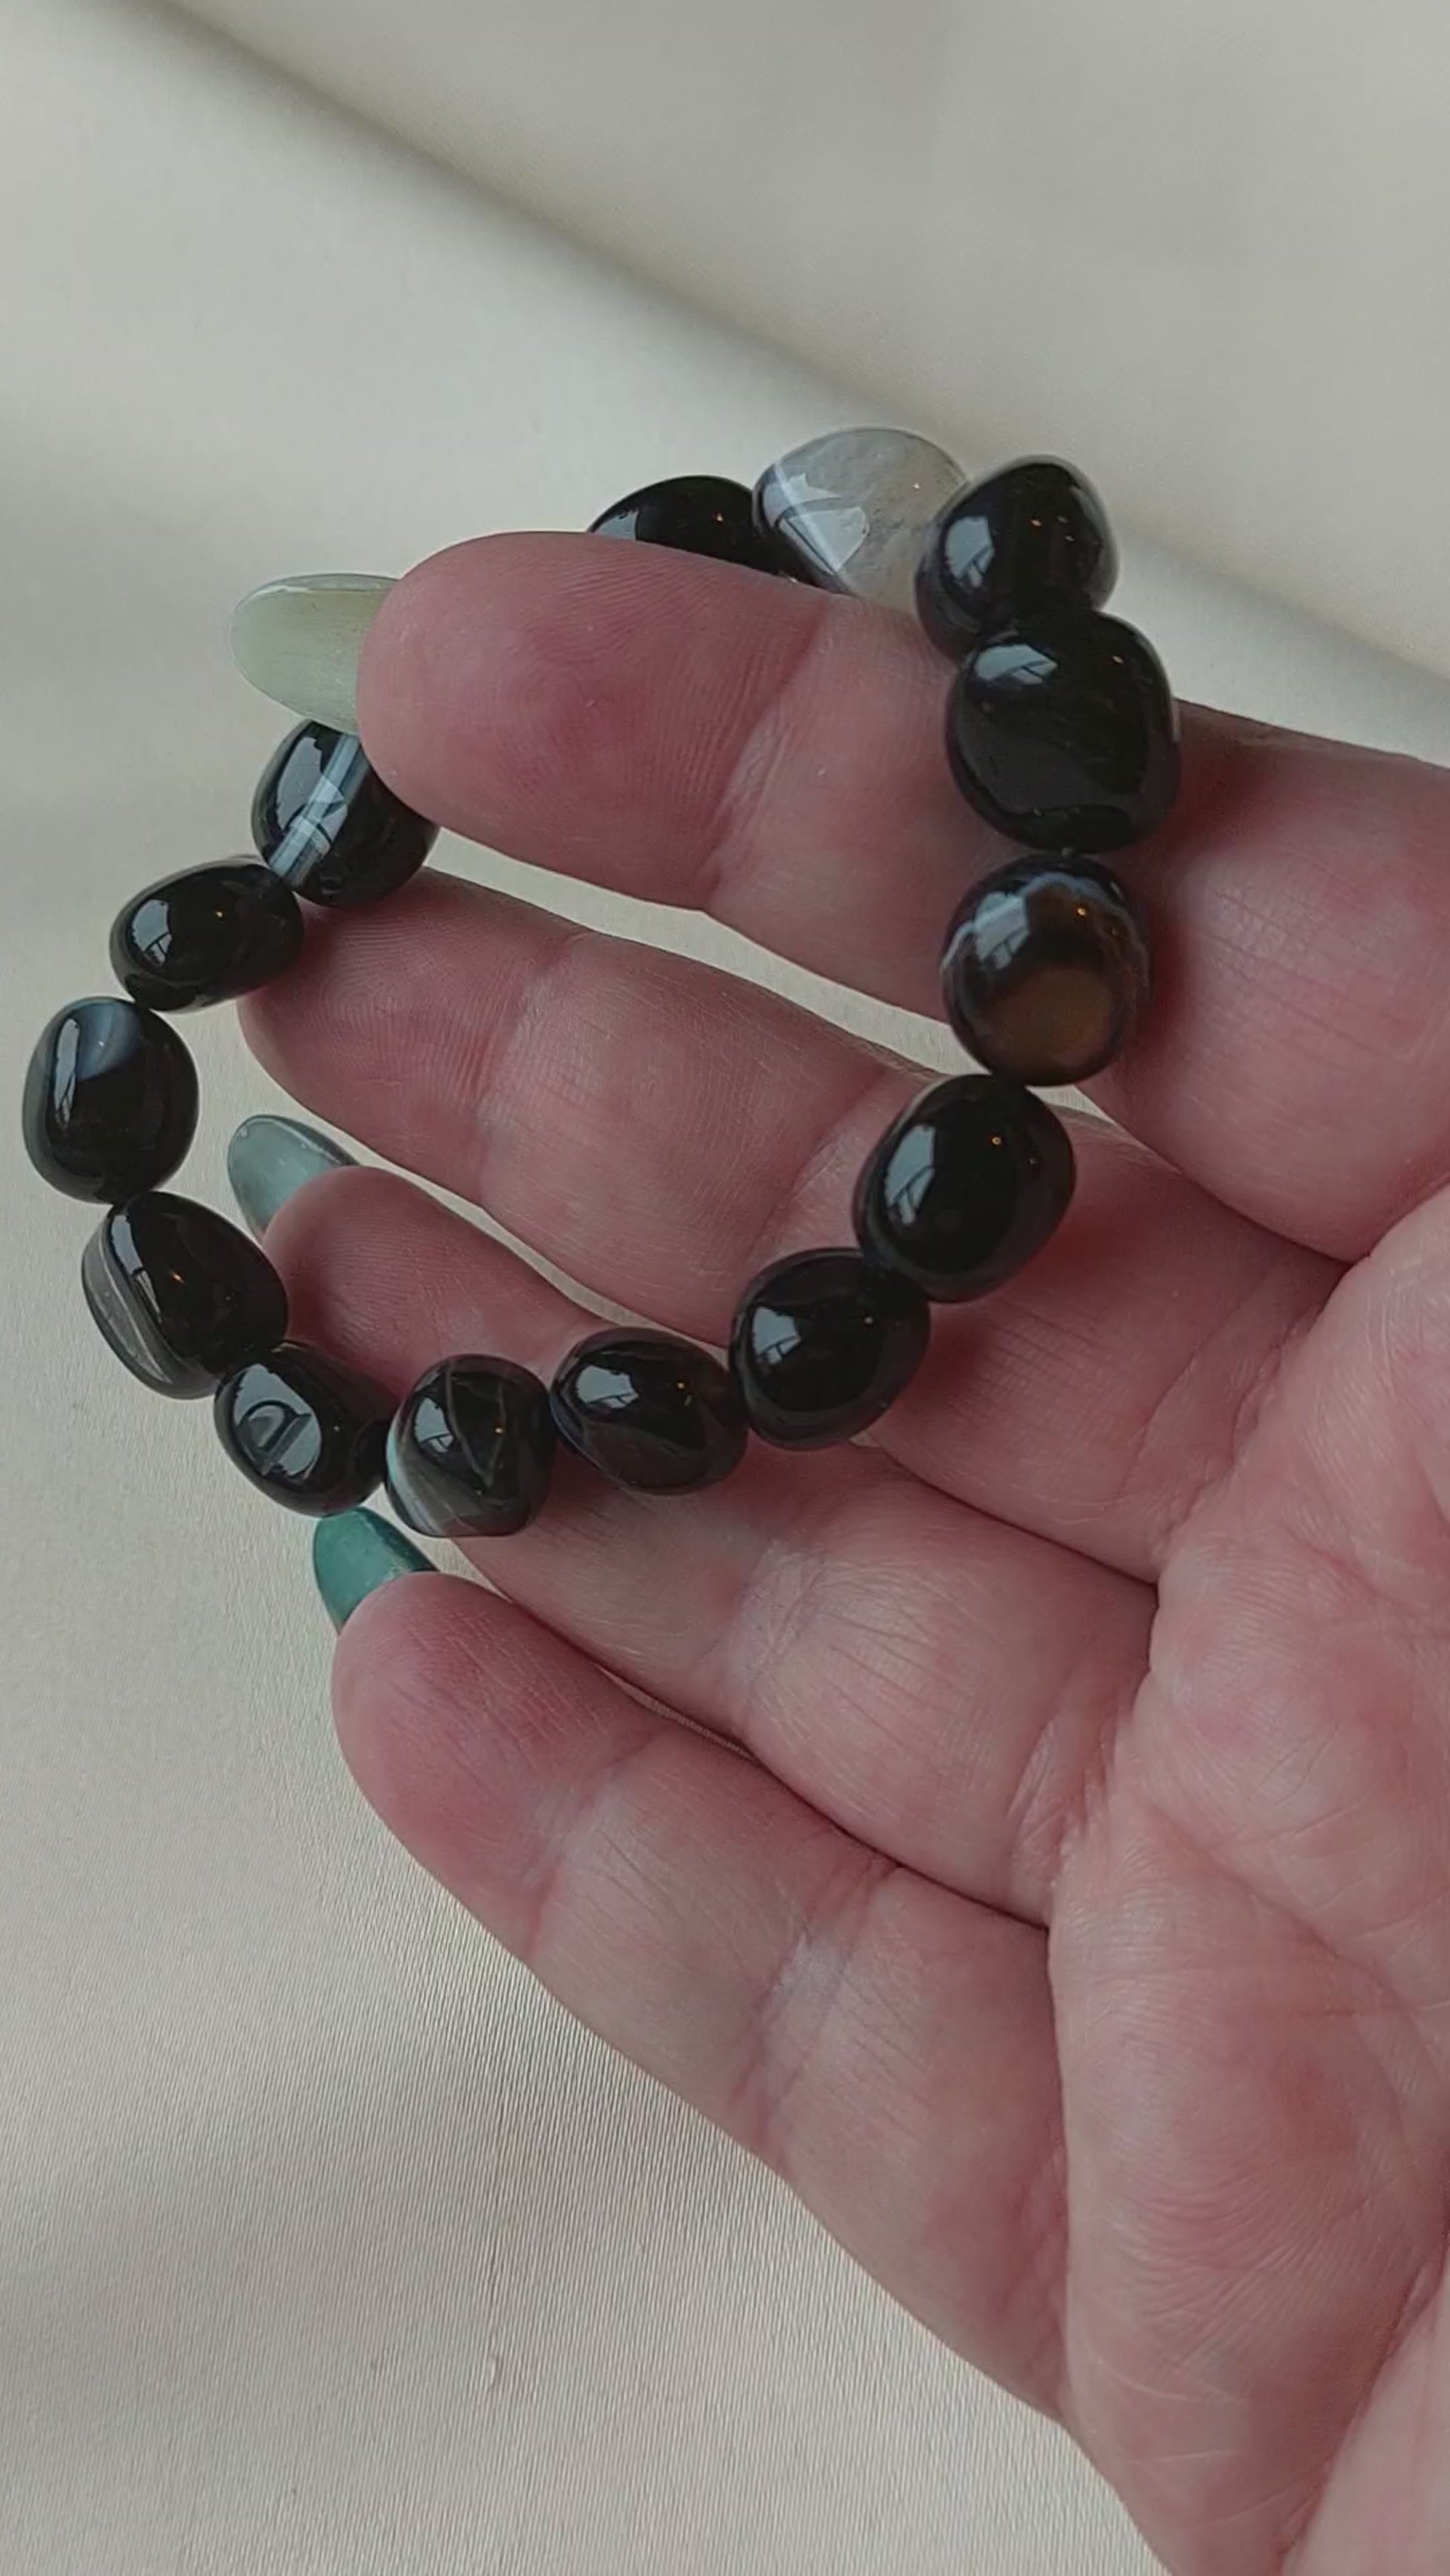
(298, 641)
(269, 1159)
(355, 1553)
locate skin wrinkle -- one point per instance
(759, 2099)
(800, 1609)
(738, 822)
(832, 1155)
(1248, 1403)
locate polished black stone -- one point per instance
(328, 827)
(182, 1296)
(471, 1450)
(305, 1429)
(1062, 732)
(206, 936)
(699, 514)
(1034, 536)
(650, 1411)
(965, 1187)
(111, 1101)
(1045, 970)
(823, 1343)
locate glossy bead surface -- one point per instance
(823, 1343)
(471, 1450)
(853, 510)
(305, 1429)
(969, 1182)
(206, 936)
(181, 1296)
(1045, 970)
(1063, 733)
(328, 827)
(111, 1101)
(1033, 536)
(697, 514)
(650, 1411)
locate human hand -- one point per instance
(1077, 1941)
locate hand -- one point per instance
(1077, 1941)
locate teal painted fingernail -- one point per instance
(355, 1553)
(269, 1158)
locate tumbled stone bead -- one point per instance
(111, 1101)
(968, 1183)
(181, 1296)
(650, 1411)
(823, 1343)
(853, 510)
(1033, 536)
(1062, 732)
(305, 1429)
(1045, 970)
(206, 936)
(698, 514)
(328, 827)
(471, 1450)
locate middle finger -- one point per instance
(659, 1131)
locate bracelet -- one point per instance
(1061, 732)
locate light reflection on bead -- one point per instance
(853, 510)
(181, 1296)
(1063, 734)
(326, 824)
(111, 1100)
(965, 1187)
(471, 1449)
(305, 1428)
(1032, 536)
(824, 1342)
(1046, 970)
(650, 1411)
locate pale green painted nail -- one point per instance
(299, 641)
(270, 1158)
(355, 1553)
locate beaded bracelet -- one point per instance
(1061, 732)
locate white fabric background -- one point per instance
(1201, 247)
(326, 2246)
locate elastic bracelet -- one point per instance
(1061, 733)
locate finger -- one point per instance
(696, 736)
(886, 2046)
(938, 1684)
(658, 1132)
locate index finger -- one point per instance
(698, 735)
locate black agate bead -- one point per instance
(1045, 970)
(1033, 536)
(329, 828)
(1063, 734)
(698, 514)
(111, 1101)
(966, 1186)
(824, 1342)
(650, 1411)
(182, 1296)
(305, 1429)
(206, 936)
(471, 1450)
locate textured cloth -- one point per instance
(1201, 247)
(328, 2248)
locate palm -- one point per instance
(1078, 1942)
(1250, 1954)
